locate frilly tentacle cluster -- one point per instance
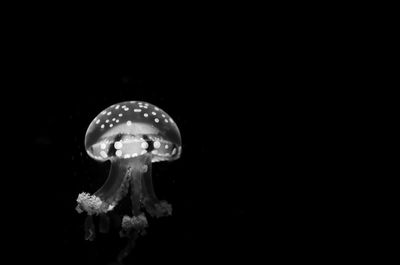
(92, 204)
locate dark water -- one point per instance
(238, 189)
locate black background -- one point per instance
(248, 119)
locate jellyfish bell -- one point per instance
(131, 135)
(134, 123)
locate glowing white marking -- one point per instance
(129, 123)
(102, 126)
(132, 101)
(127, 156)
(103, 154)
(113, 119)
(117, 107)
(120, 114)
(134, 154)
(116, 120)
(156, 120)
(166, 146)
(163, 115)
(98, 121)
(166, 120)
(109, 113)
(156, 108)
(118, 152)
(118, 145)
(126, 109)
(137, 110)
(107, 121)
(144, 145)
(156, 144)
(145, 106)
(173, 151)
(143, 152)
(171, 120)
(103, 146)
(111, 125)
(123, 107)
(103, 112)
(153, 113)
(146, 115)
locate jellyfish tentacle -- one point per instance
(138, 221)
(132, 237)
(90, 233)
(136, 190)
(153, 205)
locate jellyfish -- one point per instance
(131, 135)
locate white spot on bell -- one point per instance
(111, 125)
(137, 110)
(166, 146)
(103, 146)
(107, 121)
(102, 126)
(129, 123)
(127, 156)
(163, 115)
(118, 152)
(153, 113)
(126, 109)
(166, 120)
(117, 107)
(134, 154)
(118, 145)
(109, 113)
(103, 154)
(156, 108)
(156, 144)
(116, 120)
(146, 115)
(120, 114)
(156, 120)
(144, 145)
(98, 121)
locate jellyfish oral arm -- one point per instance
(142, 194)
(153, 206)
(107, 197)
(116, 185)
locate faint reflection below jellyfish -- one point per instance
(131, 135)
